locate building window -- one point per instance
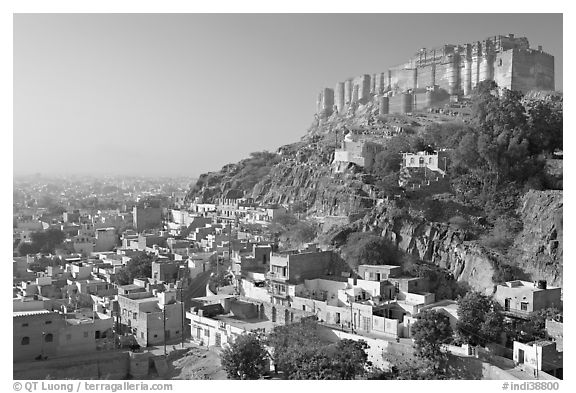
(135, 316)
(207, 332)
(49, 338)
(85, 334)
(24, 325)
(500, 62)
(47, 322)
(97, 334)
(524, 306)
(25, 340)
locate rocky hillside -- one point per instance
(302, 172)
(538, 249)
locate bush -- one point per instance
(369, 248)
(459, 222)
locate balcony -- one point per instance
(276, 276)
(278, 293)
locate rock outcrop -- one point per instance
(538, 249)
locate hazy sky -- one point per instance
(183, 94)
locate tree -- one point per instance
(291, 344)
(416, 368)
(297, 234)
(430, 331)
(348, 359)
(368, 248)
(140, 266)
(534, 328)
(298, 351)
(46, 241)
(245, 358)
(388, 160)
(25, 248)
(479, 319)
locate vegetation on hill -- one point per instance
(240, 176)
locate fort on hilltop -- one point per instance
(446, 72)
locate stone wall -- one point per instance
(455, 69)
(104, 365)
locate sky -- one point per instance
(184, 94)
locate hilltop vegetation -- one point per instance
(501, 146)
(240, 176)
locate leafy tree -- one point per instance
(46, 241)
(368, 248)
(299, 233)
(430, 331)
(479, 319)
(348, 359)
(245, 358)
(534, 328)
(545, 124)
(292, 343)
(388, 184)
(388, 160)
(140, 266)
(445, 135)
(300, 354)
(440, 281)
(504, 152)
(25, 248)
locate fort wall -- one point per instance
(453, 69)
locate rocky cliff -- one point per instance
(538, 249)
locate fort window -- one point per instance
(85, 334)
(49, 338)
(524, 306)
(48, 322)
(97, 334)
(24, 325)
(500, 62)
(25, 340)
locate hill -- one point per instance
(495, 215)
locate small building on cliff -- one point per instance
(359, 152)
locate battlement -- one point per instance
(453, 68)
